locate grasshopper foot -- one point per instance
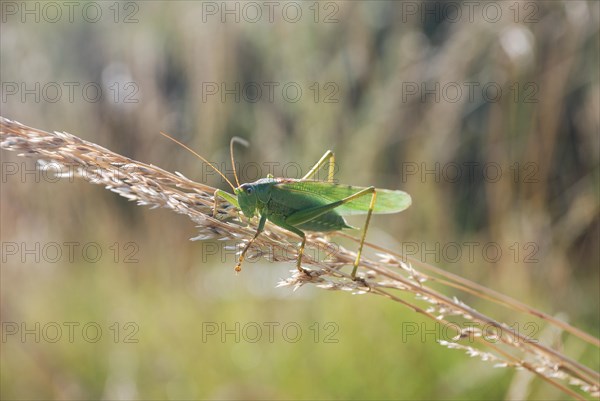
(302, 270)
(361, 281)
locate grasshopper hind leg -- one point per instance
(328, 156)
(306, 216)
(364, 234)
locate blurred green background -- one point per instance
(487, 113)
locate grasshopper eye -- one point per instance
(249, 190)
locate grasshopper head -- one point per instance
(246, 194)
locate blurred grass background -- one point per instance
(367, 57)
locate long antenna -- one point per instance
(243, 142)
(199, 157)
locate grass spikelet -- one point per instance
(391, 275)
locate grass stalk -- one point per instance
(392, 275)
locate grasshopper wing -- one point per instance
(387, 201)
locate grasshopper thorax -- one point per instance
(254, 196)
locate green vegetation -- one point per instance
(516, 172)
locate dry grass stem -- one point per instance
(389, 275)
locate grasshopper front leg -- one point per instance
(300, 233)
(224, 195)
(261, 227)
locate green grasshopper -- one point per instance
(299, 205)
